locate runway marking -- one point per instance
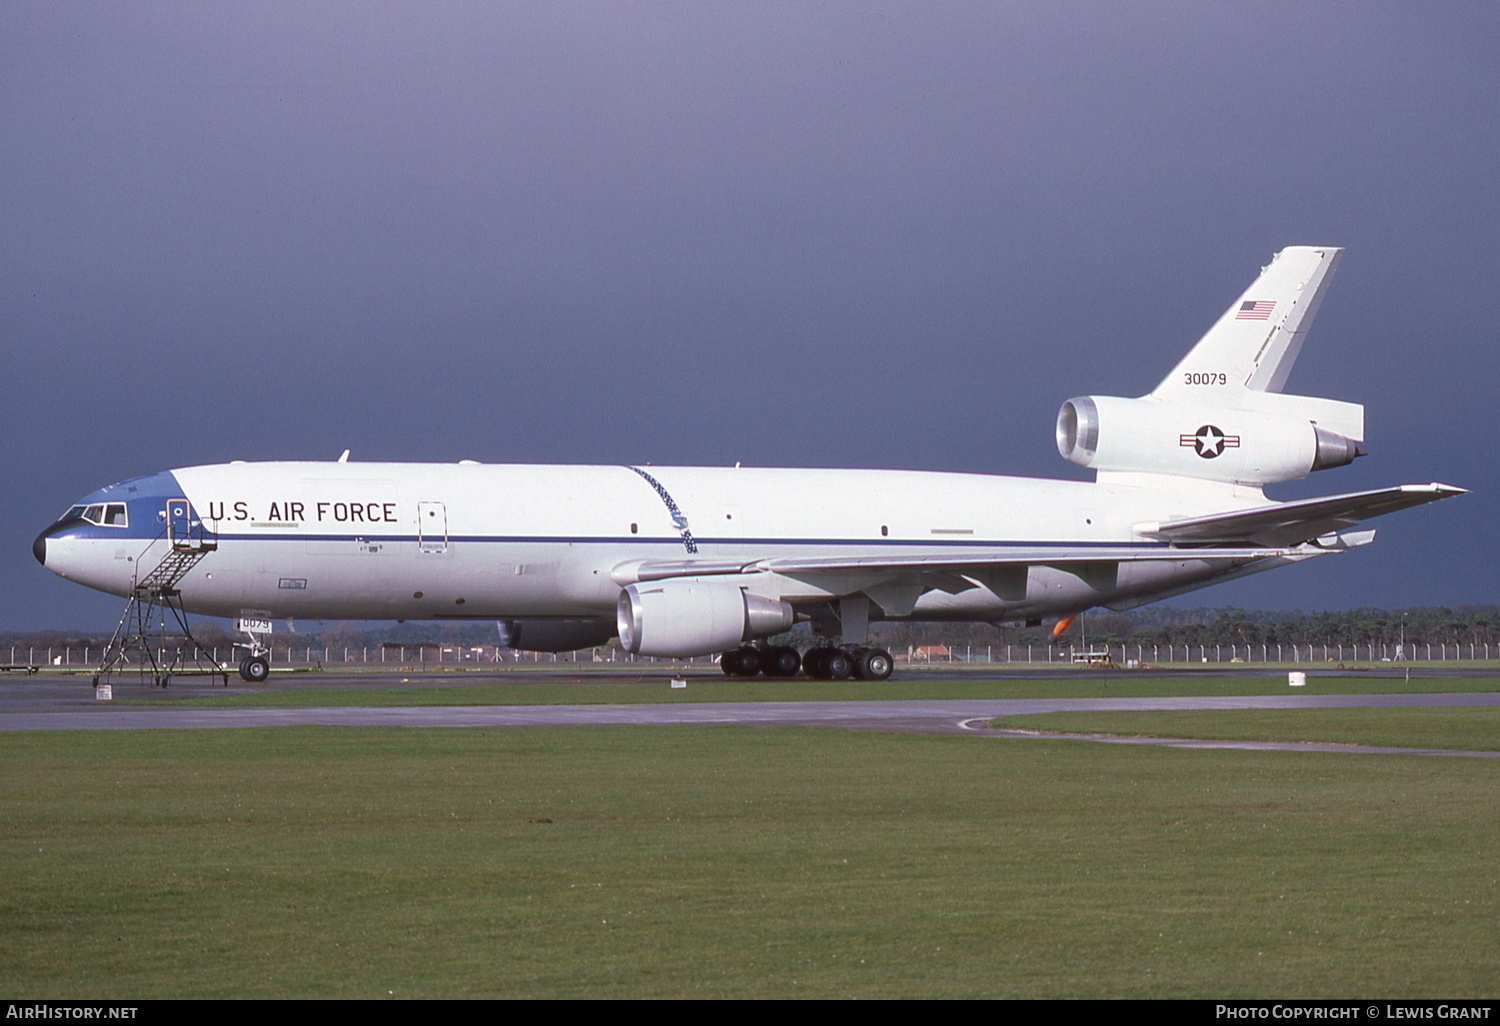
(1239, 745)
(1019, 733)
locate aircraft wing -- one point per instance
(1246, 535)
(946, 562)
(1290, 523)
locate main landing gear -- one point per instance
(819, 663)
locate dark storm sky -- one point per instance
(841, 234)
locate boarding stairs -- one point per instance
(174, 566)
(161, 651)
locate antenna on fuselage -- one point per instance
(344, 458)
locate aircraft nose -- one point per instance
(39, 547)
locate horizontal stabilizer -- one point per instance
(1291, 523)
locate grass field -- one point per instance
(715, 687)
(1463, 727)
(670, 861)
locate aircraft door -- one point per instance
(184, 529)
(432, 527)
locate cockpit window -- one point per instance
(111, 514)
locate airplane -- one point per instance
(690, 561)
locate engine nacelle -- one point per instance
(1206, 441)
(548, 635)
(688, 618)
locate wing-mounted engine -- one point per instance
(686, 618)
(1210, 441)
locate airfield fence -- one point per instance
(309, 656)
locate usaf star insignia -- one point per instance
(1209, 442)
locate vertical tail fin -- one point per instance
(1253, 346)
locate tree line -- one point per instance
(1165, 626)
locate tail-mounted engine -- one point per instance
(1209, 440)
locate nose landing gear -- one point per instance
(255, 668)
(255, 663)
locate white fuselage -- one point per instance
(424, 541)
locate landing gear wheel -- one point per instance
(750, 661)
(255, 669)
(837, 665)
(874, 664)
(729, 662)
(782, 662)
